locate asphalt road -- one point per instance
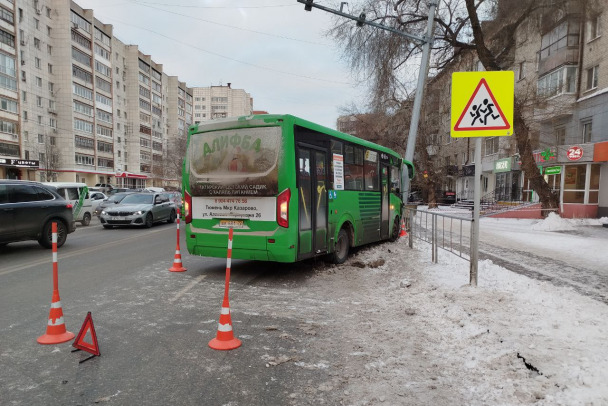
(153, 326)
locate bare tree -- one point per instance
(50, 158)
(486, 27)
(174, 157)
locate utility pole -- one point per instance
(426, 42)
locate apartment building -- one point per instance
(220, 101)
(561, 70)
(77, 104)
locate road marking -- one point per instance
(187, 288)
(82, 251)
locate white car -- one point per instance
(96, 198)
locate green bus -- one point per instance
(289, 188)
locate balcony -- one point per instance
(563, 56)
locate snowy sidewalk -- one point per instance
(411, 332)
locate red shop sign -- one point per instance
(574, 153)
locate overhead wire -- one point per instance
(229, 58)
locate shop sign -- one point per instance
(547, 155)
(553, 170)
(574, 153)
(22, 163)
(502, 165)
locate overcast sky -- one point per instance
(273, 49)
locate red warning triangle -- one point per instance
(80, 342)
(482, 112)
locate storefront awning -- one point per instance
(129, 175)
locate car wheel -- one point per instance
(341, 248)
(86, 219)
(396, 230)
(172, 217)
(46, 240)
(149, 220)
(107, 226)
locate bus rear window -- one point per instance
(239, 162)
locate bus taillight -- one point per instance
(187, 207)
(283, 208)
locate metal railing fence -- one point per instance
(449, 232)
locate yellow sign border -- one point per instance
(464, 84)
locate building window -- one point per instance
(491, 145)
(576, 179)
(559, 38)
(594, 27)
(7, 38)
(559, 81)
(8, 105)
(587, 131)
(8, 16)
(81, 22)
(560, 136)
(592, 77)
(521, 72)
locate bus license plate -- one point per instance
(231, 224)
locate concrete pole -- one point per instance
(422, 75)
(476, 208)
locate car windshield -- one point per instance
(117, 197)
(138, 199)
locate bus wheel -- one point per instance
(396, 230)
(341, 248)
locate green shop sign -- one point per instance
(502, 165)
(553, 170)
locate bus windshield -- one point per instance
(238, 162)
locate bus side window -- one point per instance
(353, 168)
(371, 170)
(395, 180)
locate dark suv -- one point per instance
(27, 211)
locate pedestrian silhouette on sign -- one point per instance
(475, 114)
(488, 110)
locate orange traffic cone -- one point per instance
(55, 330)
(225, 338)
(403, 232)
(177, 261)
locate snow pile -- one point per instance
(553, 222)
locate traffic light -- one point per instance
(308, 5)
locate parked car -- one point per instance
(27, 211)
(110, 201)
(154, 189)
(96, 199)
(72, 192)
(139, 209)
(104, 187)
(121, 189)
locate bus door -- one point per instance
(312, 198)
(385, 190)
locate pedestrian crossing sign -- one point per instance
(482, 104)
